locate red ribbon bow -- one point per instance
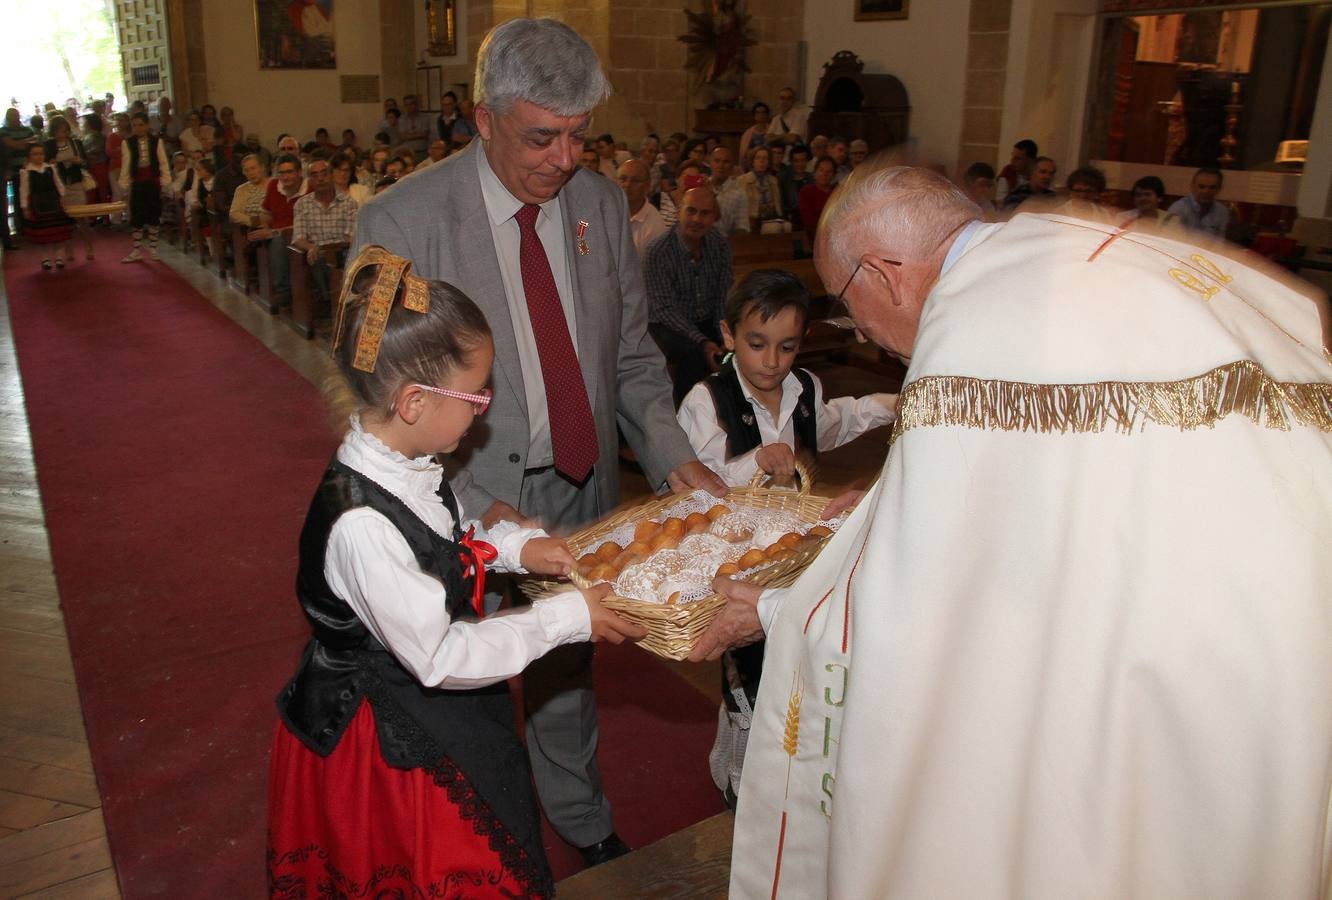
(475, 554)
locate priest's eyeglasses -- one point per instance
(480, 402)
(839, 314)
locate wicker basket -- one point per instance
(673, 630)
(89, 210)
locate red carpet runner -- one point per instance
(176, 457)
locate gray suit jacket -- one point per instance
(437, 218)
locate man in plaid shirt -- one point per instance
(321, 217)
(688, 274)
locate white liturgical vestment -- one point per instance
(1077, 641)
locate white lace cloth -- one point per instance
(684, 574)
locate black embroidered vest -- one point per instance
(466, 739)
(153, 162)
(735, 414)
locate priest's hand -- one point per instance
(841, 503)
(500, 511)
(546, 556)
(693, 475)
(738, 623)
(606, 625)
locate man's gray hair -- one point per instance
(542, 61)
(904, 210)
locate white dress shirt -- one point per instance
(646, 225)
(836, 421)
(794, 122)
(501, 206)
(370, 565)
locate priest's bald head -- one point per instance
(881, 242)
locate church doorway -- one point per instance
(64, 54)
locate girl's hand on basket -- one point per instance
(777, 459)
(737, 625)
(546, 556)
(606, 625)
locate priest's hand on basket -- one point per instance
(606, 625)
(693, 475)
(737, 625)
(499, 511)
(546, 556)
(841, 503)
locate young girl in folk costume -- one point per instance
(41, 197)
(396, 766)
(144, 174)
(755, 415)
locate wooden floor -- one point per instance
(52, 838)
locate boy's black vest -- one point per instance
(465, 739)
(153, 162)
(735, 414)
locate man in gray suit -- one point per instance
(544, 248)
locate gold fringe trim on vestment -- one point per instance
(1239, 388)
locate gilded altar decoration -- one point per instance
(441, 27)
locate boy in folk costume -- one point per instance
(755, 415)
(144, 174)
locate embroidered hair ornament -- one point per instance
(393, 273)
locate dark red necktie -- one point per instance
(573, 434)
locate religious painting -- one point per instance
(442, 27)
(871, 10)
(295, 34)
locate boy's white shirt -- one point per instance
(370, 565)
(837, 421)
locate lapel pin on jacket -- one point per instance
(582, 242)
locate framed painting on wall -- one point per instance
(295, 34)
(871, 10)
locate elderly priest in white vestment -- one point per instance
(1077, 639)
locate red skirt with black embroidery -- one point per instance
(350, 825)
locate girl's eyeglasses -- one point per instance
(480, 402)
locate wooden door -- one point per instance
(145, 51)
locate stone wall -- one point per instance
(637, 41)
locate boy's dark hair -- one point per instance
(285, 158)
(978, 170)
(1088, 175)
(1150, 183)
(607, 138)
(1209, 170)
(766, 292)
(136, 117)
(1029, 146)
